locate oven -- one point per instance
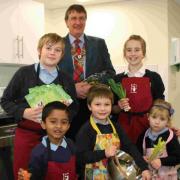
(7, 133)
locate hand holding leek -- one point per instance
(118, 89)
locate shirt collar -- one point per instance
(100, 122)
(154, 136)
(72, 38)
(139, 73)
(42, 68)
(54, 147)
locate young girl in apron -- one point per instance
(163, 165)
(29, 131)
(142, 86)
(100, 138)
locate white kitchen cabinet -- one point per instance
(8, 30)
(22, 24)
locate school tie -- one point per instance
(78, 74)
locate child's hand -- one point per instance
(110, 151)
(156, 163)
(176, 131)
(23, 174)
(20, 174)
(66, 102)
(124, 104)
(145, 158)
(146, 175)
(32, 113)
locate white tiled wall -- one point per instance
(6, 73)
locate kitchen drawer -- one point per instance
(6, 135)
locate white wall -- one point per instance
(174, 71)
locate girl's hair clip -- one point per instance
(170, 110)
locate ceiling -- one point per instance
(54, 4)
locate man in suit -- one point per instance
(84, 56)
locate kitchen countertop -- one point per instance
(5, 115)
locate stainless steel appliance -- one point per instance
(7, 133)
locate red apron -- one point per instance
(27, 136)
(138, 91)
(62, 171)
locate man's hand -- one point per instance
(82, 89)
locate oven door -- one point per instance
(7, 133)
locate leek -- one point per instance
(158, 149)
(119, 90)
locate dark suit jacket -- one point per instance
(97, 57)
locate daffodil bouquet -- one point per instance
(158, 149)
(118, 89)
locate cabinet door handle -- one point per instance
(22, 47)
(17, 42)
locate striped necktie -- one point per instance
(78, 74)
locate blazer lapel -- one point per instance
(89, 52)
(68, 57)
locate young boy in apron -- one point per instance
(54, 158)
(100, 138)
(29, 131)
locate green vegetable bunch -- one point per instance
(158, 149)
(98, 78)
(118, 89)
(93, 79)
(42, 95)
